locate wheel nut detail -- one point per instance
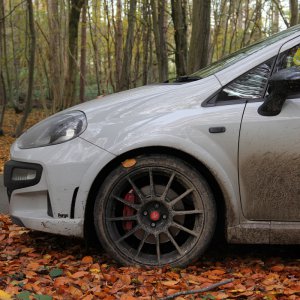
(153, 224)
(154, 215)
(164, 217)
(145, 213)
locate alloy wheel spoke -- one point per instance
(136, 189)
(123, 218)
(128, 234)
(187, 212)
(157, 248)
(152, 192)
(164, 195)
(187, 192)
(174, 243)
(146, 234)
(191, 232)
(127, 203)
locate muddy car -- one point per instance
(154, 172)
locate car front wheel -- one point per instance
(155, 210)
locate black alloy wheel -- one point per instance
(160, 211)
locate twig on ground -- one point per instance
(208, 288)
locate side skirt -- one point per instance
(264, 233)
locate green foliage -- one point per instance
(55, 273)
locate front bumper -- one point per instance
(48, 187)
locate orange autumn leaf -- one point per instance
(75, 292)
(128, 163)
(170, 283)
(109, 297)
(34, 266)
(79, 274)
(59, 281)
(221, 295)
(126, 279)
(127, 297)
(88, 297)
(87, 260)
(277, 268)
(217, 272)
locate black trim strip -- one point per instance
(49, 206)
(73, 203)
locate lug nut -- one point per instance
(156, 205)
(145, 213)
(153, 225)
(164, 217)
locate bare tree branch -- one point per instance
(208, 288)
(280, 9)
(13, 10)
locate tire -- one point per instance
(159, 211)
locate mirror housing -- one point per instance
(282, 84)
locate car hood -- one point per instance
(111, 116)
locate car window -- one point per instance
(251, 85)
(289, 58)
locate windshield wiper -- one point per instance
(187, 78)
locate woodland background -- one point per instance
(56, 53)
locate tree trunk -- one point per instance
(109, 80)
(256, 33)
(83, 53)
(198, 53)
(180, 35)
(118, 45)
(72, 58)
(5, 58)
(93, 34)
(159, 29)
(275, 19)
(54, 56)
(294, 12)
(31, 64)
(146, 40)
(3, 100)
(127, 57)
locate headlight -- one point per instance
(57, 129)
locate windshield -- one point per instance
(238, 55)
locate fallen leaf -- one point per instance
(87, 260)
(79, 274)
(128, 163)
(4, 295)
(277, 268)
(170, 282)
(56, 273)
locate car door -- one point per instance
(269, 155)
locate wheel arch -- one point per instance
(222, 208)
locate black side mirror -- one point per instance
(282, 84)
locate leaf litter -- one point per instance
(36, 265)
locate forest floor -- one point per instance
(41, 266)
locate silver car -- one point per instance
(154, 172)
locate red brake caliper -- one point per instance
(128, 211)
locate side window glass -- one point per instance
(289, 58)
(251, 85)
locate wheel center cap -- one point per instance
(154, 215)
